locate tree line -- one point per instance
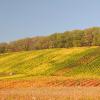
(74, 38)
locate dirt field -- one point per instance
(57, 93)
(49, 82)
(50, 89)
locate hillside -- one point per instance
(80, 62)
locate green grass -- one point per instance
(81, 62)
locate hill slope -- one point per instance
(73, 62)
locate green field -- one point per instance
(80, 62)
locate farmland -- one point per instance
(51, 70)
(78, 62)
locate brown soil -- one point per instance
(47, 93)
(50, 88)
(49, 82)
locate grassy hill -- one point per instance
(81, 62)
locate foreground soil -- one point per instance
(51, 93)
(49, 82)
(50, 88)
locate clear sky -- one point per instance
(25, 18)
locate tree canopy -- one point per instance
(74, 38)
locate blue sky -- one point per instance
(25, 18)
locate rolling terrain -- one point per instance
(51, 74)
(81, 62)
